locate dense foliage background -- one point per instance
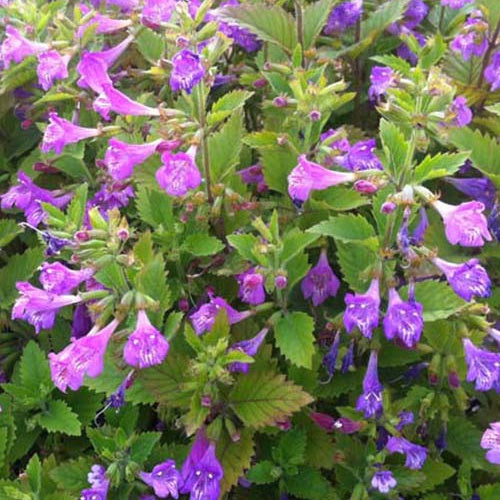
(249, 249)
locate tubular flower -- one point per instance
(187, 71)
(179, 173)
(415, 454)
(362, 310)
(483, 367)
(370, 401)
(165, 479)
(59, 279)
(320, 282)
(250, 347)
(251, 287)
(383, 481)
(51, 66)
(491, 442)
(16, 47)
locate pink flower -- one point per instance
(104, 24)
(308, 176)
(464, 224)
(51, 66)
(179, 173)
(16, 47)
(146, 346)
(251, 287)
(491, 441)
(57, 278)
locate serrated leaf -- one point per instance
(76, 209)
(354, 259)
(262, 398)
(291, 448)
(378, 21)
(227, 105)
(155, 207)
(264, 472)
(309, 484)
(295, 339)
(201, 245)
(272, 24)
(338, 198)
(489, 491)
(85, 403)
(435, 473)
(432, 167)
(72, 166)
(294, 242)
(34, 370)
(394, 62)
(244, 244)
(276, 165)
(72, 475)
(60, 418)
(9, 229)
(143, 445)
(395, 146)
(345, 228)
(315, 16)
(34, 472)
(150, 44)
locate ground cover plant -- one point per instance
(249, 249)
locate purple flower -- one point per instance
(360, 157)
(370, 401)
(343, 16)
(251, 287)
(464, 224)
(202, 472)
(204, 318)
(460, 111)
(61, 132)
(124, 5)
(253, 175)
(467, 280)
(348, 359)
(121, 158)
(82, 321)
(187, 71)
(491, 441)
(250, 347)
(492, 72)
(320, 282)
(103, 24)
(165, 479)
(84, 356)
(415, 13)
(99, 484)
(27, 196)
(308, 176)
(418, 235)
(472, 40)
(93, 72)
(483, 367)
(179, 173)
(362, 310)
(113, 100)
(404, 50)
(405, 418)
(146, 346)
(323, 420)
(57, 278)
(51, 66)
(479, 188)
(381, 79)
(383, 481)
(156, 12)
(54, 244)
(16, 47)
(330, 358)
(455, 4)
(403, 320)
(110, 196)
(346, 425)
(415, 454)
(39, 307)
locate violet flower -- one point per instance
(179, 173)
(404, 50)
(121, 158)
(464, 224)
(418, 235)
(308, 176)
(381, 79)
(51, 66)
(165, 479)
(362, 310)
(82, 322)
(461, 112)
(146, 346)
(59, 279)
(346, 425)
(414, 14)
(343, 16)
(204, 318)
(383, 481)
(251, 287)
(330, 358)
(187, 71)
(455, 4)
(254, 175)
(99, 484)
(60, 132)
(27, 196)
(479, 188)
(104, 24)
(39, 307)
(84, 356)
(370, 401)
(53, 244)
(348, 359)
(468, 280)
(472, 40)
(492, 72)
(361, 156)
(250, 347)
(320, 282)
(93, 72)
(483, 367)
(491, 442)
(405, 418)
(415, 454)
(403, 320)
(202, 471)
(16, 47)
(156, 12)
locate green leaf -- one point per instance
(34, 472)
(111, 276)
(338, 198)
(489, 491)
(294, 242)
(34, 370)
(76, 209)
(395, 146)
(291, 448)
(354, 260)
(276, 165)
(272, 24)
(85, 403)
(155, 207)
(432, 167)
(345, 228)
(58, 96)
(262, 398)
(59, 418)
(435, 473)
(295, 339)
(19, 267)
(9, 229)
(264, 472)
(394, 62)
(485, 150)
(151, 45)
(143, 446)
(315, 16)
(378, 21)
(310, 484)
(201, 245)
(72, 475)
(432, 52)
(72, 166)
(227, 105)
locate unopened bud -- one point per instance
(280, 102)
(388, 207)
(123, 234)
(280, 282)
(315, 115)
(82, 236)
(260, 83)
(364, 186)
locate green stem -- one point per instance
(300, 28)
(205, 155)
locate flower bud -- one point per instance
(324, 421)
(123, 234)
(260, 83)
(364, 186)
(388, 207)
(280, 102)
(315, 115)
(82, 236)
(280, 282)
(183, 304)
